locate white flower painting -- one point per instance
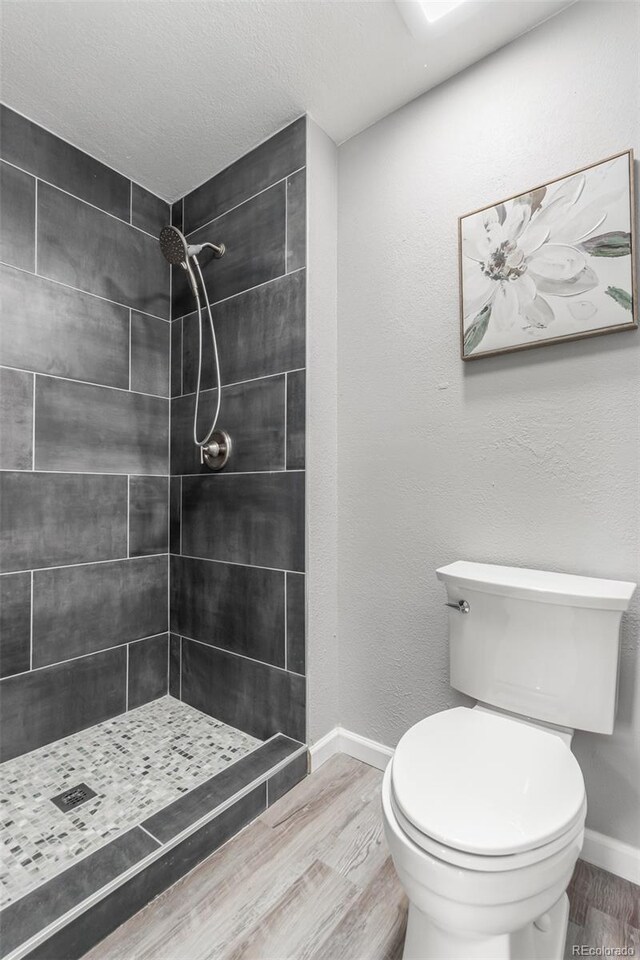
(552, 264)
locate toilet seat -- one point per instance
(491, 864)
(484, 790)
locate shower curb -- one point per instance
(74, 932)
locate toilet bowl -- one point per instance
(484, 807)
(484, 817)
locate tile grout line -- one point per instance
(236, 563)
(30, 631)
(239, 383)
(232, 296)
(128, 516)
(236, 206)
(88, 293)
(126, 681)
(286, 225)
(87, 383)
(33, 426)
(80, 563)
(35, 229)
(286, 404)
(234, 653)
(74, 196)
(81, 656)
(180, 677)
(130, 325)
(144, 830)
(286, 626)
(94, 473)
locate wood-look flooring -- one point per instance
(312, 879)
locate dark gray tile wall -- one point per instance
(238, 584)
(254, 518)
(44, 705)
(230, 606)
(83, 609)
(84, 428)
(148, 670)
(84, 440)
(30, 147)
(16, 419)
(253, 416)
(17, 212)
(253, 696)
(15, 623)
(50, 328)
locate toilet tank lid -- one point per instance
(542, 586)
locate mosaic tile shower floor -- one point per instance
(136, 763)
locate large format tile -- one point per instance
(148, 670)
(150, 354)
(17, 213)
(259, 333)
(78, 610)
(296, 417)
(253, 414)
(174, 514)
(296, 622)
(92, 251)
(296, 221)
(210, 794)
(45, 705)
(245, 518)
(15, 623)
(16, 419)
(53, 329)
(254, 237)
(283, 781)
(176, 358)
(148, 212)
(260, 699)
(174, 665)
(73, 941)
(27, 916)
(49, 519)
(269, 162)
(50, 158)
(148, 515)
(82, 427)
(238, 608)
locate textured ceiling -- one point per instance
(169, 93)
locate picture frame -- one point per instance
(551, 264)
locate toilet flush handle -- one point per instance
(460, 605)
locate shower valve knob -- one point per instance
(217, 451)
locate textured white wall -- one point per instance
(529, 459)
(322, 429)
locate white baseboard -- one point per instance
(340, 740)
(602, 851)
(613, 855)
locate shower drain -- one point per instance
(73, 797)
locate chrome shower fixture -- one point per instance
(177, 251)
(215, 447)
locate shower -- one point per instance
(215, 446)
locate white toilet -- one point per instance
(484, 807)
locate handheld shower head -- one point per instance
(177, 251)
(174, 246)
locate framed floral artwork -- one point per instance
(555, 263)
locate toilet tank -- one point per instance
(542, 645)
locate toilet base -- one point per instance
(425, 941)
